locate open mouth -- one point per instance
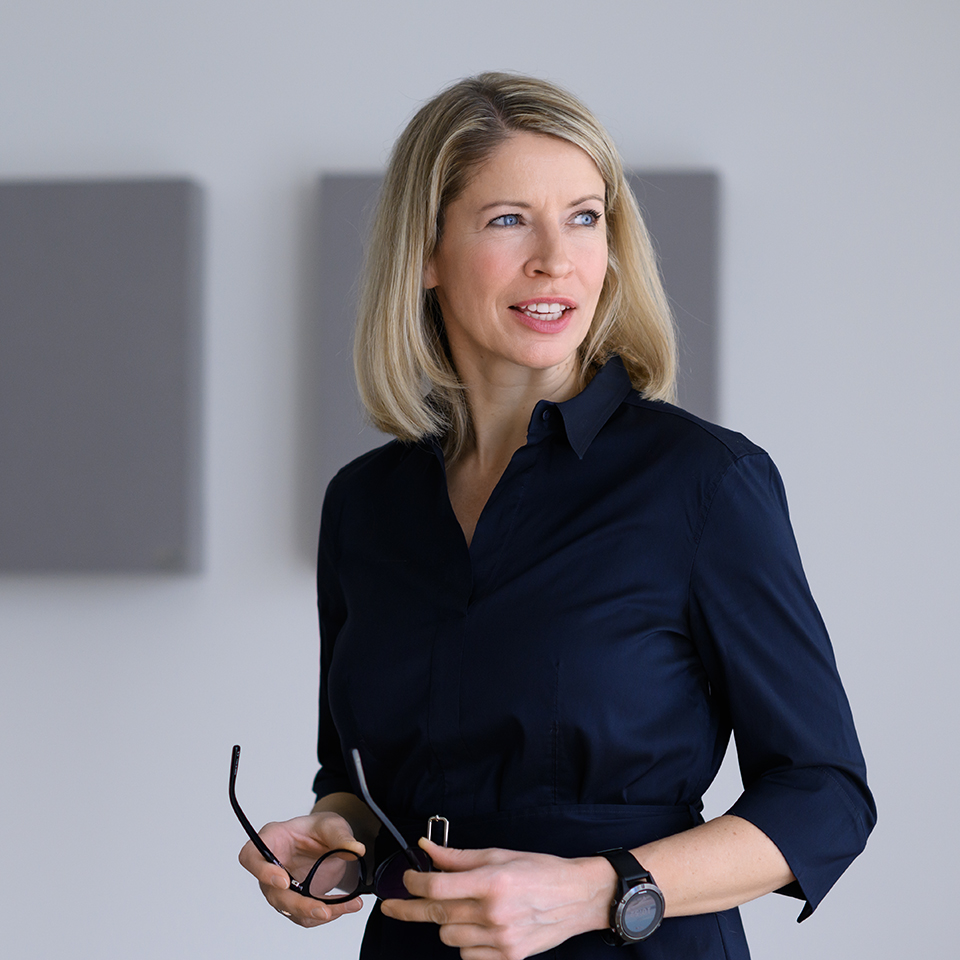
(543, 311)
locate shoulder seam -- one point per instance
(713, 430)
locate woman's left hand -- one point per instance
(506, 905)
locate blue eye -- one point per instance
(507, 220)
(587, 218)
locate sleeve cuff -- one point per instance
(811, 815)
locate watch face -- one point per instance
(641, 912)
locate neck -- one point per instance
(501, 404)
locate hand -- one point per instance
(506, 905)
(297, 844)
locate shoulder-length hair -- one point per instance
(405, 375)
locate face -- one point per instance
(522, 259)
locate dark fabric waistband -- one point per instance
(573, 830)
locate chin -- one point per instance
(548, 357)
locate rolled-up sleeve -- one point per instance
(768, 654)
(332, 776)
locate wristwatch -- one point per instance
(637, 907)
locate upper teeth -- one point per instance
(544, 307)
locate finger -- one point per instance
(326, 912)
(311, 836)
(297, 843)
(337, 835)
(267, 873)
(465, 935)
(481, 953)
(307, 912)
(464, 884)
(468, 936)
(454, 859)
(283, 840)
(432, 911)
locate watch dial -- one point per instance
(641, 913)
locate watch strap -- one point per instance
(630, 872)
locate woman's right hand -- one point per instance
(297, 844)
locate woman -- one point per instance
(544, 606)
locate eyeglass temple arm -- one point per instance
(381, 816)
(265, 851)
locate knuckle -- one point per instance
(334, 823)
(508, 944)
(269, 894)
(436, 912)
(498, 910)
(499, 916)
(422, 885)
(268, 829)
(248, 857)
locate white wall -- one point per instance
(834, 126)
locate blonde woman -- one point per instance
(546, 604)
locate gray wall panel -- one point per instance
(99, 375)
(682, 212)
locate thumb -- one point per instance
(453, 860)
(339, 836)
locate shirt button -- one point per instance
(546, 414)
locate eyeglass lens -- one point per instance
(388, 880)
(338, 874)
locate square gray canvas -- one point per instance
(681, 210)
(99, 375)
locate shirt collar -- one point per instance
(585, 414)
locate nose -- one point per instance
(548, 256)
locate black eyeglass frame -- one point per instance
(302, 887)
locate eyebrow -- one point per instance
(526, 206)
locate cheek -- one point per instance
(597, 271)
(495, 261)
(590, 255)
(483, 275)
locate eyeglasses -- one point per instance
(341, 875)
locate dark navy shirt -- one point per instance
(569, 682)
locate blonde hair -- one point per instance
(406, 378)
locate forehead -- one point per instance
(537, 164)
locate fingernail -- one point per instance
(279, 882)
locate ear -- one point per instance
(430, 278)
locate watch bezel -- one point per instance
(621, 905)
